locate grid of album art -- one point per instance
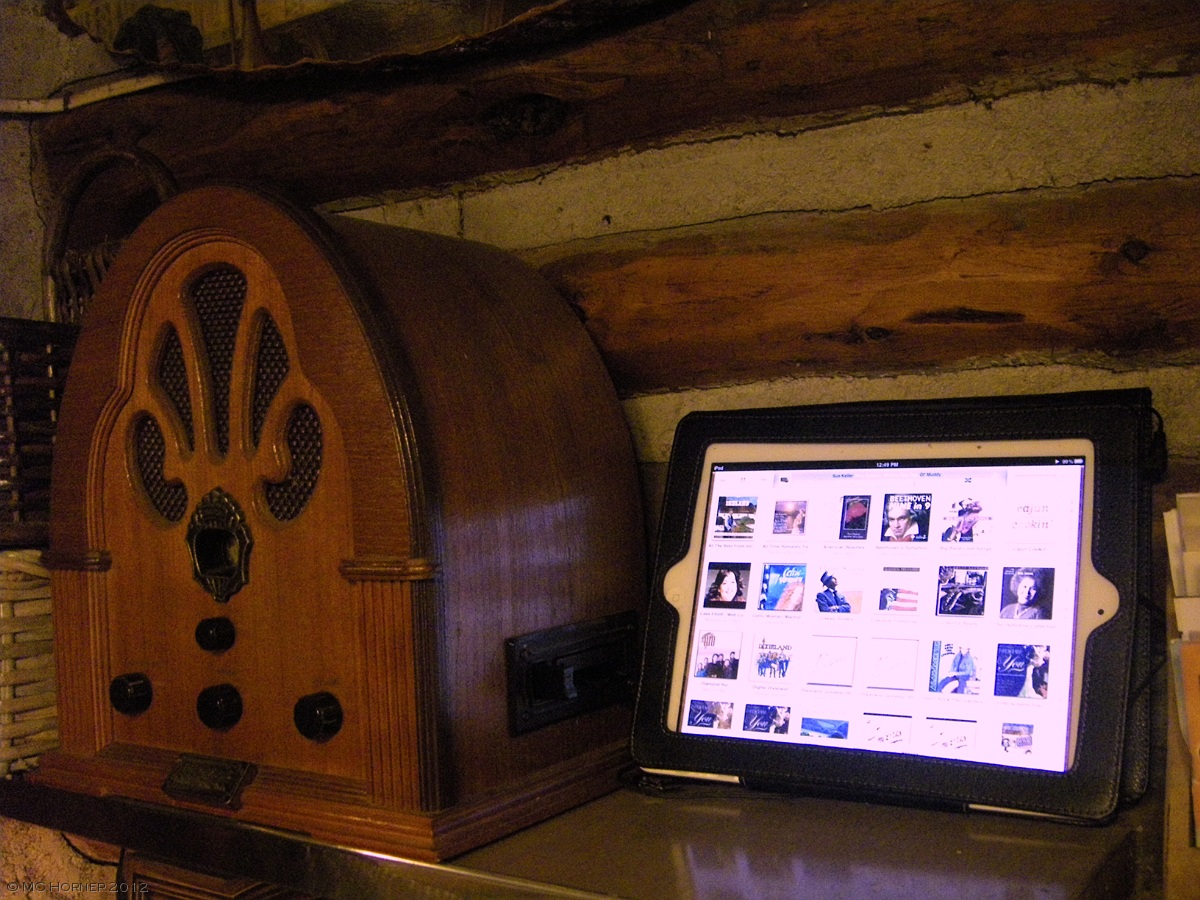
(909, 606)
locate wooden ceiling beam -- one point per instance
(1108, 270)
(709, 65)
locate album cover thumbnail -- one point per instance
(710, 714)
(834, 598)
(735, 516)
(772, 659)
(1016, 738)
(782, 587)
(830, 729)
(856, 508)
(766, 719)
(790, 516)
(950, 734)
(892, 663)
(1028, 593)
(1023, 670)
(897, 599)
(906, 517)
(831, 660)
(886, 729)
(717, 655)
(961, 590)
(726, 585)
(953, 669)
(965, 522)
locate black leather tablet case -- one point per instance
(1112, 759)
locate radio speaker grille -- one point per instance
(287, 499)
(169, 498)
(218, 296)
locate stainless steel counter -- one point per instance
(699, 843)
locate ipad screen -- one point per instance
(920, 600)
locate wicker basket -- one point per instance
(28, 715)
(34, 357)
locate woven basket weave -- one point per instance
(28, 715)
(34, 358)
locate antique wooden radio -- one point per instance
(345, 534)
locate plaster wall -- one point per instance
(36, 60)
(1068, 136)
(1071, 135)
(21, 228)
(36, 862)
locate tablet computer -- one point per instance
(929, 601)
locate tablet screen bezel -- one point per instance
(1087, 598)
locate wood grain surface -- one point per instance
(476, 483)
(703, 66)
(1109, 269)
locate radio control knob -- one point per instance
(318, 716)
(220, 706)
(216, 634)
(131, 694)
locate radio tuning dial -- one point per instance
(216, 634)
(131, 694)
(318, 716)
(220, 706)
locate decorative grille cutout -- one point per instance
(218, 297)
(286, 499)
(270, 369)
(172, 378)
(150, 451)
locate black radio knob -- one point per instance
(216, 634)
(220, 706)
(318, 716)
(131, 694)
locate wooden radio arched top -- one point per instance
(333, 333)
(455, 333)
(465, 481)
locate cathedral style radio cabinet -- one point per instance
(346, 537)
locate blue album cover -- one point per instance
(782, 587)
(772, 659)
(1023, 670)
(837, 729)
(953, 669)
(710, 714)
(767, 719)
